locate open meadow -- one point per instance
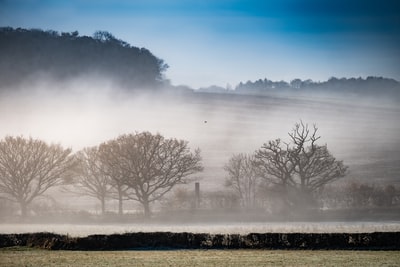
(20, 256)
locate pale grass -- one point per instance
(212, 228)
(13, 257)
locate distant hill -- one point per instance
(29, 53)
(370, 86)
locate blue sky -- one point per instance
(219, 42)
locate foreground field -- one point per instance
(20, 256)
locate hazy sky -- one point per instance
(209, 42)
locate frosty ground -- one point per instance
(13, 257)
(212, 228)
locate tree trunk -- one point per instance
(103, 206)
(24, 209)
(146, 208)
(120, 211)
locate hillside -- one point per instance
(374, 87)
(28, 54)
(361, 133)
(360, 130)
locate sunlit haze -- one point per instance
(241, 114)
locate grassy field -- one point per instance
(18, 256)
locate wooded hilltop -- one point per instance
(27, 54)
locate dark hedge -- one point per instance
(168, 240)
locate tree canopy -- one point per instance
(29, 167)
(243, 178)
(150, 164)
(90, 177)
(372, 86)
(26, 53)
(300, 165)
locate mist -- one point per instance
(86, 111)
(91, 109)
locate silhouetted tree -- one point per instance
(27, 53)
(296, 83)
(152, 165)
(243, 178)
(29, 167)
(301, 165)
(91, 178)
(370, 86)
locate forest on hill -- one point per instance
(55, 87)
(371, 86)
(28, 54)
(33, 54)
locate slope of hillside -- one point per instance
(364, 135)
(27, 55)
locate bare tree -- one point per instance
(301, 165)
(274, 163)
(315, 165)
(152, 164)
(243, 178)
(92, 180)
(28, 168)
(109, 153)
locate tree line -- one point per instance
(293, 174)
(29, 53)
(297, 169)
(352, 85)
(141, 166)
(370, 86)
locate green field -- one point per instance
(18, 256)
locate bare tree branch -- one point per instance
(91, 178)
(150, 164)
(301, 163)
(243, 178)
(28, 168)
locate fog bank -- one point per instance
(87, 111)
